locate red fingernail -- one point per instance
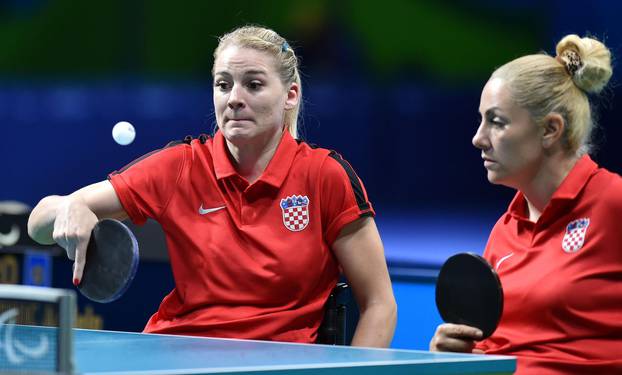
(76, 282)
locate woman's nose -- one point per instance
(480, 140)
(235, 98)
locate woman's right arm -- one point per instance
(69, 220)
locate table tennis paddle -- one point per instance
(468, 291)
(111, 261)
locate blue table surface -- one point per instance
(110, 352)
(28, 348)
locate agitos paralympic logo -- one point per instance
(15, 351)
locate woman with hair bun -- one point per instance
(558, 248)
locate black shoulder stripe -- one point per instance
(168, 145)
(173, 143)
(188, 140)
(354, 181)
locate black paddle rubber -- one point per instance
(111, 261)
(468, 291)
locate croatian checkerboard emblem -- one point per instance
(575, 235)
(295, 212)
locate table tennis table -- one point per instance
(111, 353)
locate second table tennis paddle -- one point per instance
(468, 291)
(111, 261)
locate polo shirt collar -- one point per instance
(277, 168)
(279, 165)
(222, 163)
(570, 187)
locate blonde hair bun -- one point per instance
(587, 60)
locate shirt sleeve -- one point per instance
(344, 198)
(146, 185)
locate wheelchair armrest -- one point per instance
(332, 331)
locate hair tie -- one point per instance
(571, 60)
(284, 46)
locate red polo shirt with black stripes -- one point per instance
(250, 261)
(562, 278)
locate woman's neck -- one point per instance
(540, 189)
(251, 158)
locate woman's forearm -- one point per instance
(376, 325)
(42, 217)
(100, 198)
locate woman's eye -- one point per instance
(254, 85)
(222, 85)
(497, 121)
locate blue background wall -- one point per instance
(393, 87)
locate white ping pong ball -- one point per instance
(123, 133)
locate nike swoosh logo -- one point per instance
(503, 260)
(203, 211)
(11, 238)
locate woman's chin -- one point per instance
(495, 178)
(238, 135)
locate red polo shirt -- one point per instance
(562, 278)
(249, 261)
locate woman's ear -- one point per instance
(293, 95)
(554, 126)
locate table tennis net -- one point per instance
(35, 330)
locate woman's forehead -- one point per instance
(235, 59)
(496, 94)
